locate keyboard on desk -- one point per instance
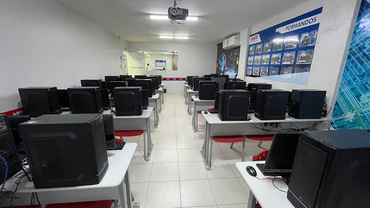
(273, 172)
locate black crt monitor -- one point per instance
(220, 80)
(143, 83)
(271, 104)
(280, 158)
(39, 100)
(65, 150)
(91, 83)
(14, 121)
(9, 153)
(196, 82)
(213, 75)
(113, 84)
(63, 99)
(128, 101)
(85, 100)
(159, 78)
(140, 76)
(103, 85)
(145, 98)
(124, 77)
(105, 101)
(242, 85)
(307, 104)
(207, 90)
(108, 79)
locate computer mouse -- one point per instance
(251, 171)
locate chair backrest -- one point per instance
(260, 156)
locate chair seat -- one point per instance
(93, 204)
(260, 156)
(128, 133)
(229, 139)
(25, 206)
(260, 137)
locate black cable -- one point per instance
(273, 183)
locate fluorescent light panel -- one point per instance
(173, 37)
(165, 17)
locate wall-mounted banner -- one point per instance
(284, 52)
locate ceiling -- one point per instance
(218, 18)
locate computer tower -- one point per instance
(108, 79)
(109, 131)
(65, 150)
(124, 77)
(196, 82)
(253, 88)
(91, 83)
(128, 101)
(307, 104)
(7, 150)
(63, 99)
(155, 81)
(217, 101)
(113, 84)
(237, 85)
(85, 100)
(105, 101)
(331, 169)
(207, 90)
(140, 76)
(271, 104)
(145, 98)
(39, 100)
(233, 105)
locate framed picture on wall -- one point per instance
(160, 63)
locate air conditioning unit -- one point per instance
(224, 44)
(232, 42)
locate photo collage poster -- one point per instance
(227, 61)
(284, 52)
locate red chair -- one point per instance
(25, 206)
(93, 204)
(260, 138)
(260, 157)
(232, 140)
(122, 134)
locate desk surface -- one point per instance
(118, 161)
(267, 195)
(146, 114)
(196, 99)
(214, 119)
(191, 91)
(159, 89)
(154, 97)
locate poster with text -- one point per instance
(284, 52)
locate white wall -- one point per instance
(45, 44)
(335, 31)
(194, 59)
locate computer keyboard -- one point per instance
(272, 172)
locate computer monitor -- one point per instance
(280, 158)
(108, 79)
(237, 85)
(85, 100)
(307, 104)
(124, 77)
(207, 89)
(14, 121)
(9, 153)
(271, 104)
(65, 150)
(159, 78)
(143, 83)
(63, 99)
(91, 83)
(331, 169)
(190, 80)
(155, 81)
(128, 101)
(233, 105)
(253, 88)
(39, 100)
(113, 84)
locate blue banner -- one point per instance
(284, 52)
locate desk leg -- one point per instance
(156, 116)
(148, 143)
(121, 193)
(251, 200)
(194, 120)
(128, 190)
(189, 105)
(162, 93)
(160, 102)
(205, 149)
(186, 98)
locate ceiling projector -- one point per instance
(177, 13)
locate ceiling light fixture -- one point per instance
(165, 17)
(173, 37)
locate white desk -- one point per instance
(186, 87)
(153, 102)
(216, 127)
(189, 94)
(115, 184)
(200, 105)
(141, 122)
(262, 189)
(160, 91)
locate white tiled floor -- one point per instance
(176, 176)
